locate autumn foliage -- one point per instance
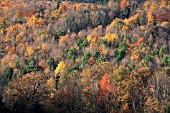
(84, 56)
(123, 4)
(104, 87)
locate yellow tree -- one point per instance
(61, 68)
(110, 4)
(30, 51)
(60, 74)
(150, 15)
(110, 37)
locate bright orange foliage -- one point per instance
(91, 61)
(140, 40)
(104, 86)
(132, 19)
(123, 4)
(150, 15)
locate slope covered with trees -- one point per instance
(111, 56)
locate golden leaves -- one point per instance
(59, 12)
(150, 15)
(89, 38)
(142, 28)
(19, 36)
(136, 55)
(116, 23)
(92, 40)
(110, 37)
(13, 29)
(45, 47)
(110, 4)
(124, 28)
(51, 84)
(9, 60)
(61, 68)
(19, 14)
(35, 22)
(30, 50)
(132, 19)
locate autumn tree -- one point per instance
(91, 79)
(123, 4)
(25, 92)
(157, 100)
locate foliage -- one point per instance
(61, 68)
(96, 54)
(86, 57)
(107, 56)
(72, 54)
(162, 51)
(25, 91)
(122, 50)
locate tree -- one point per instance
(91, 80)
(162, 51)
(8, 76)
(72, 54)
(96, 54)
(51, 63)
(122, 50)
(86, 57)
(61, 68)
(23, 93)
(58, 4)
(91, 61)
(110, 4)
(123, 4)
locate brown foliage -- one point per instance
(27, 90)
(164, 16)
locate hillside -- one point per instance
(91, 56)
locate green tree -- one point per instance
(51, 63)
(8, 73)
(155, 52)
(7, 76)
(86, 57)
(162, 51)
(58, 4)
(96, 54)
(72, 54)
(166, 61)
(121, 50)
(85, 43)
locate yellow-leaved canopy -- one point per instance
(61, 68)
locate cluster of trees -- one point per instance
(67, 56)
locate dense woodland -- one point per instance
(90, 56)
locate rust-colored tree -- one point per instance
(123, 4)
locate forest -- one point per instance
(84, 56)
